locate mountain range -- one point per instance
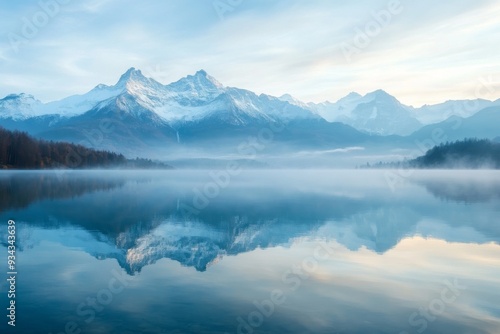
(138, 114)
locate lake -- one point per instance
(253, 251)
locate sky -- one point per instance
(422, 52)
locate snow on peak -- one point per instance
(145, 89)
(132, 74)
(199, 95)
(199, 82)
(203, 78)
(19, 106)
(134, 80)
(18, 96)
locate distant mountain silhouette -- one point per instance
(483, 124)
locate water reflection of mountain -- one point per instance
(138, 223)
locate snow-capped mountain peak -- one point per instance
(131, 75)
(376, 112)
(134, 82)
(204, 79)
(199, 85)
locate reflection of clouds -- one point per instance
(358, 291)
(405, 278)
(389, 254)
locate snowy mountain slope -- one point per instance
(200, 96)
(19, 106)
(188, 99)
(343, 107)
(430, 114)
(118, 124)
(145, 112)
(78, 104)
(376, 112)
(381, 113)
(342, 110)
(185, 99)
(24, 106)
(132, 82)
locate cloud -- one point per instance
(334, 151)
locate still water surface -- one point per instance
(280, 251)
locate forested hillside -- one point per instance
(19, 150)
(466, 154)
(469, 153)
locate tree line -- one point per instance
(20, 151)
(467, 154)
